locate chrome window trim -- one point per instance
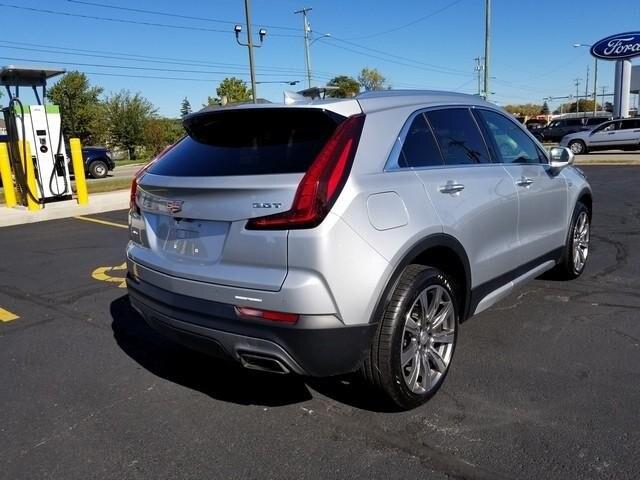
(392, 163)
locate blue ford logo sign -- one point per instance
(617, 47)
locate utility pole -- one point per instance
(307, 29)
(250, 46)
(595, 87)
(487, 47)
(604, 89)
(586, 85)
(577, 84)
(478, 69)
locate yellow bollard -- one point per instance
(27, 164)
(7, 179)
(78, 171)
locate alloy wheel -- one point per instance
(581, 241)
(428, 339)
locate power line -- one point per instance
(130, 67)
(116, 56)
(389, 60)
(413, 22)
(135, 22)
(173, 15)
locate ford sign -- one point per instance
(617, 47)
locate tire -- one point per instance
(569, 267)
(407, 339)
(98, 169)
(578, 147)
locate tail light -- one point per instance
(321, 185)
(254, 313)
(133, 206)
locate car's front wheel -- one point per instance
(578, 147)
(416, 338)
(98, 169)
(576, 249)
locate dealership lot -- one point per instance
(544, 385)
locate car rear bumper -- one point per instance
(316, 345)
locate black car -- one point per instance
(565, 126)
(97, 161)
(558, 129)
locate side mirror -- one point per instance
(560, 157)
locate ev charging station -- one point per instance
(38, 129)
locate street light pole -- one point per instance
(262, 32)
(307, 29)
(577, 95)
(487, 47)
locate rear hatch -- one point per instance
(234, 165)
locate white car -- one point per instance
(621, 134)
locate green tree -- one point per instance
(233, 89)
(526, 109)
(347, 87)
(127, 116)
(545, 109)
(372, 79)
(160, 133)
(79, 105)
(586, 106)
(185, 107)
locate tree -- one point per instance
(347, 87)
(185, 107)
(233, 89)
(161, 132)
(545, 109)
(372, 79)
(525, 109)
(79, 105)
(127, 116)
(586, 106)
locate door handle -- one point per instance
(611, 133)
(524, 182)
(451, 188)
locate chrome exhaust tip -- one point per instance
(265, 363)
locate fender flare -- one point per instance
(424, 244)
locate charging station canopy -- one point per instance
(17, 76)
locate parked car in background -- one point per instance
(592, 122)
(556, 129)
(535, 124)
(97, 162)
(324, 237)
(615, 134)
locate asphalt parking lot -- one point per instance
(544, 385)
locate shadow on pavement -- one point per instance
(224, 380)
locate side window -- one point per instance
(458, 136)
(512, 144)
(419, 148)
(629, 124)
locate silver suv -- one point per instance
(325, 237)
(623, 133)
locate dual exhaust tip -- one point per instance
(264, 363)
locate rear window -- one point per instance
(249, 142)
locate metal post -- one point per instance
(247, 12)
(78, 171)
(586, 85)
(487, 47)
(577, 96)
(595, 87)
(604, 89)
(7, 178)
(307, 29)
(27, 167)
(478, 69)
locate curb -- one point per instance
(98, 203)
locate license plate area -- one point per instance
(187, 240)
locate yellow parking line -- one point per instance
(103, 222)
(7, 316)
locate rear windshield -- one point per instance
(249, 142)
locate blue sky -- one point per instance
(532, 53)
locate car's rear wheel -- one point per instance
(412, 352)
(576, 249)
(98, 169)
(578, 147)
